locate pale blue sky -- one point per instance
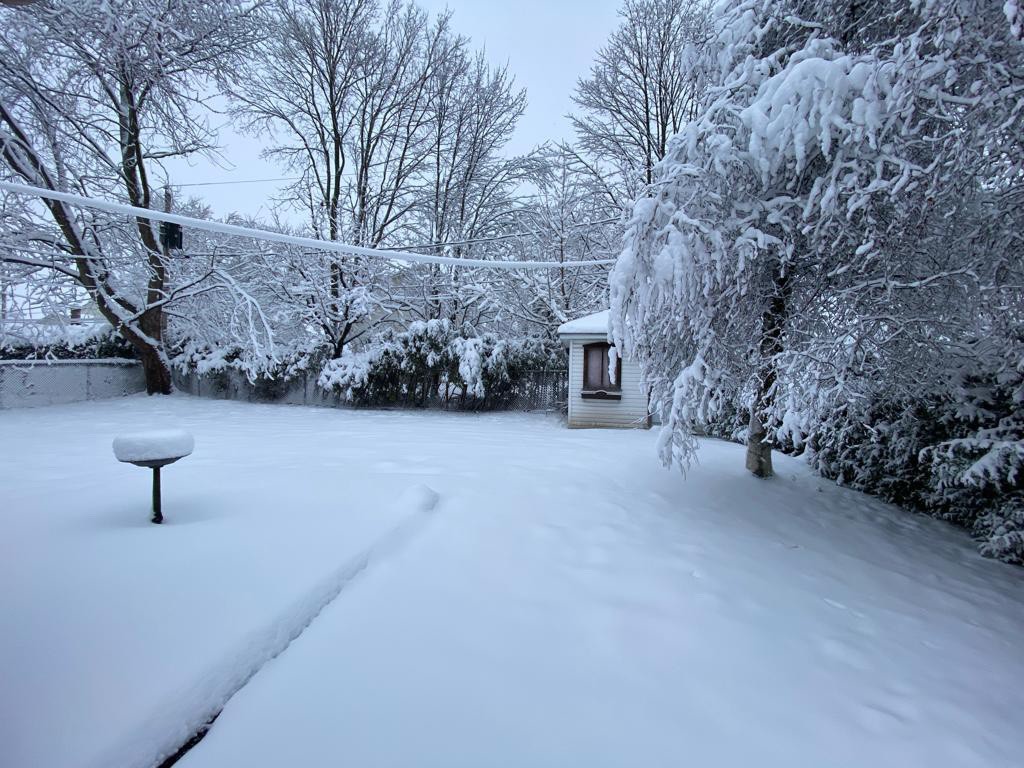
(548, 45)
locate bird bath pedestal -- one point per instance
(154, 450)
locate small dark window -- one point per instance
(596, 381)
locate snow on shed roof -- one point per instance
(596, 323)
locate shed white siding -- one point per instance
(629, 411)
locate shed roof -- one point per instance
(596, 323)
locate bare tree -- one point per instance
(568, 219)
(93, 96)
(468, 189)
(297, 87)
(394, 129)
(340, 88)
(643, 87)
(391, 114)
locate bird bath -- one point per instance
(154, 450)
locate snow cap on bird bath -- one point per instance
(154, 450)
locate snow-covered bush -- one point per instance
(956, 452)
(977, 473)
(269, 378)
(72, 343)
(876, 448)
(1000, 531)
(431, 363)
(395, 367)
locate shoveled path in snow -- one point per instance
(121, 638)
(574, 604)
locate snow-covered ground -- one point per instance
(562, 600)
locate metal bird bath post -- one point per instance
(155, 464)
(154, 450)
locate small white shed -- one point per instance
(595, 398)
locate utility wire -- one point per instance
(424, 246)
(234, 181)
(301, 242)
(508, 236)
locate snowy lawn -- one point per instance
(566, 601)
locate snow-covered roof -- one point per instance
(596, 323)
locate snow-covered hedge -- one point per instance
(955, 454)
(90, 342)
(429, 364)
(270, 378)
(432, 363)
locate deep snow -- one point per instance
(566, 602)
(122, 637)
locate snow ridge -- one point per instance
(196, 707)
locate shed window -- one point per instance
(596, 381)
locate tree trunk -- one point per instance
(158, 374)
(759, 450)
(149, 346)
(146, 339)
(759, 447)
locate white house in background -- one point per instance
(595, 400)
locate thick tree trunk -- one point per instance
(147, 341)
(158, 374)
(149, 348)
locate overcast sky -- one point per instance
(547, 44)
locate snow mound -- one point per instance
(421, 498)
(154, 445)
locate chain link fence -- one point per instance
(546, 391)
(26, 383)
(534, 391)
(51, 382)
